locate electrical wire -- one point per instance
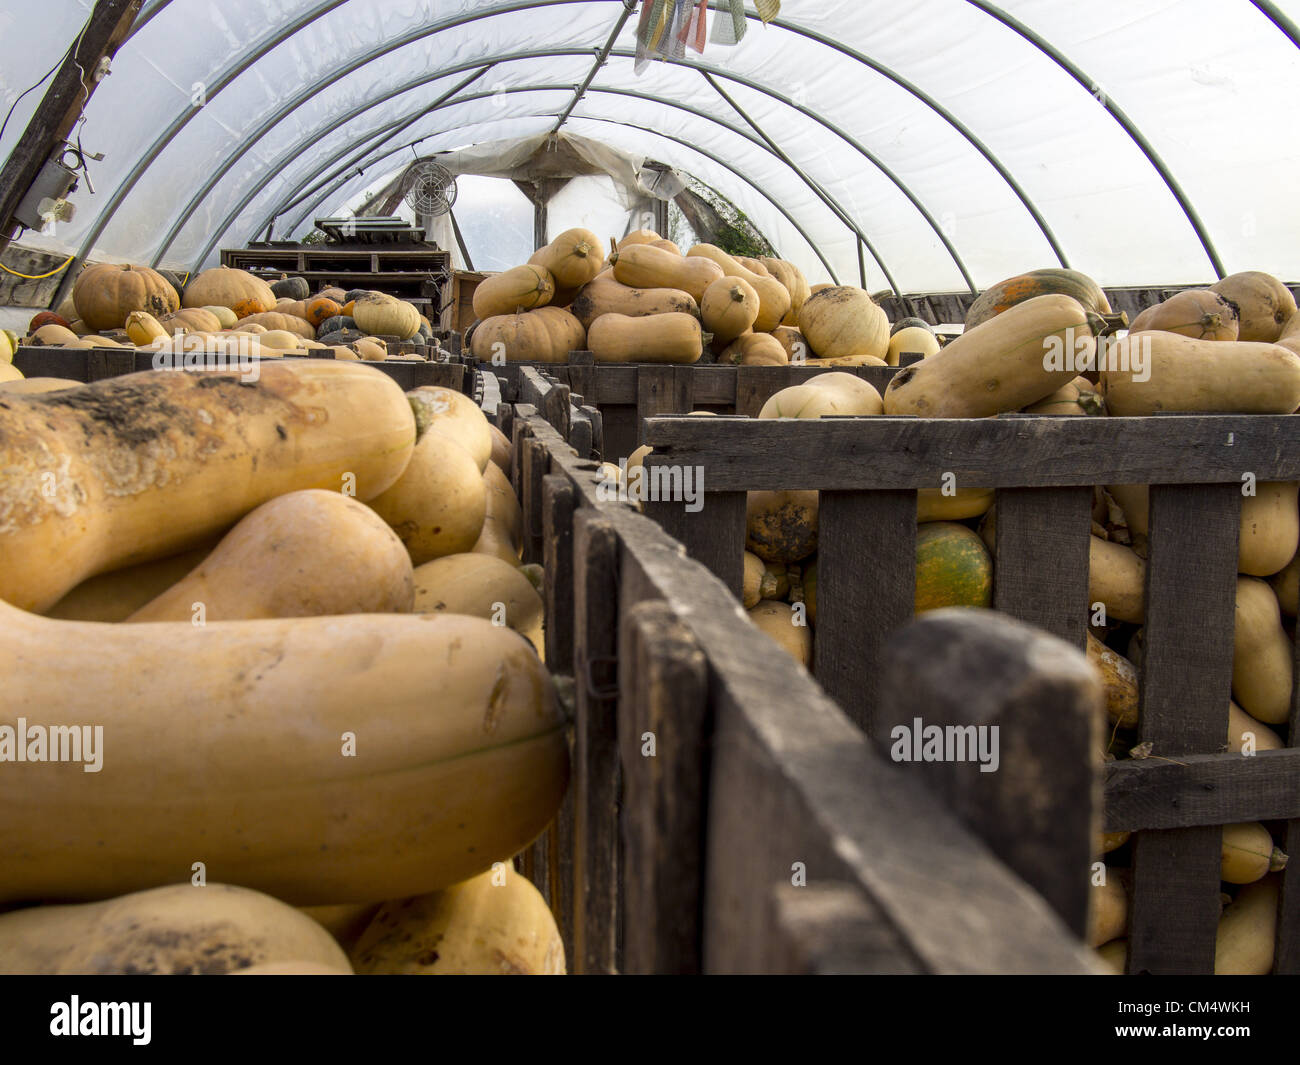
(39, 277)
(76, 44)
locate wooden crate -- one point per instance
(458, 311)
(684, 862)
(868, 471)
(87, 364)
(625, 396)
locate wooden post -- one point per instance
(713, 535)
(830, 928)
(596, 756)
(1184, 689)
(663, 729)
(62, 105)
(969, 672)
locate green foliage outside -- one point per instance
(737, 234)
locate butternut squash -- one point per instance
(1262, 654)
(502, 450)
(606, 295)
(1270, 529)
(292, 968)
(117, 595)
(794, 342)
(729, 308)
(29, 385)
(572, 259)
(1286, 585)
(345, 922)
(1201, 314)
(546, 335)
(1114, 955)
(999, 298)
(455, 414)
(143, 466)
(299, 555)
(933, 505)
(179, 930)
(773, 297)
(143, 328)
(834, 393)
(663, 338)
(278, 321)
(495, 924)
(645, 266)
(913, 339)
(1117, 578)
(842, 321)
(1119, 681)
(1011, 361)
(755, 349)
(848, 360)
(1176, 373)
(758, 583)
(1243, 727)
(778, 620)
(1247, 931)
(321, 760)
(1079, 397)
(1134, 501)
(483, 587)
(521, 289)
(438, 505)
(1264, 304)
(795, 283)
(1107, 909)
(781, 526)
(1247, 854)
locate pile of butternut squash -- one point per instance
(224, 311)
(307, 675)
(649, 302)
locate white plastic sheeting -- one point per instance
(956, 105)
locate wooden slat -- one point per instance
(1287, 956)
(663, 701)
(1185, 687)
(866, 591)
(713, 535)
(596, 755)
(832, 929)
(535, 463)
(557, 559)
(1202, 789)
(882, 452)
(555, 409)
(983, 669)
(1041, 571)
(661, 390)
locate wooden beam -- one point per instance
(54, 118)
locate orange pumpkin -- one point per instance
(347, 308)
(321, 308)
(106, 293)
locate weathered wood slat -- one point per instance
(1186, 683)
(1041, 571)
(1025, 780)
(713, 535)
(596, 756)
(877, 453)
(661, 390)
(557, 560)
(831, 929)
(866, 592)
(536, 463)
(1287, 958)
(663, 737)
(1202, 789)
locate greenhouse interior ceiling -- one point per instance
(926, 146)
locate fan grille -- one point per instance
(430, 188)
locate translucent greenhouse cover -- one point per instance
(948, 143)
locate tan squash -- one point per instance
(1264, 304)
(1243, 729)
(1262, 654)
(302, 554)
(223, 286)
(848, 360)
(192, 320)
(384, 316)
(458, 755)
(226, 446)
(496, 924)
(56, 336)
(780, 621)
(143, 328)
(293, 968)
(1119, 680)
(572, 259)
(934, 504)
(913, 339)
(842, 321)
(661, 338)
(781, 526)
(545, 335)
(1247, 854)
(520, 289)
(105, 293)
(773, 297)
(1116, 578)
(1201, 314)
(481, 586)
(178, 930)
(438, 504)
(1079, 397)
(278, 321)
(38, 384)
(1107, 909)
(645, 266)
(606, 295)
(224, 315)
(455, 414)
(1286, 585)
(755, 349)
(795, 283)
(795, 344)
(1181, 374)
(1134, 501)
(1270, 529)
(729, 308)
(346, 922)
(502, 450)
(823, 395)
(1011, 361)
(116, 596)
(1114, 956)
(1244, 943)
